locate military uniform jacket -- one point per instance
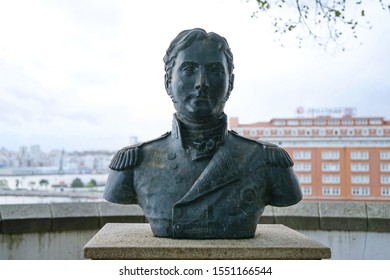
(221, 197)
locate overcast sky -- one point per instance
(89, 74)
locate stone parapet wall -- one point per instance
(58, 217)
(332, 216)
(355, 230)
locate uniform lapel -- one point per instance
(220, 171)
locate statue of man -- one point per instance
(201, 180)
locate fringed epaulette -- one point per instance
(276, 156)
(130, 156)
(125, 158)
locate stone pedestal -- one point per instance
(136, 241)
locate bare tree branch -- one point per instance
(325, 22)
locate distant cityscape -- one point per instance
(33, 161)
(32, 169)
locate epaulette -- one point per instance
(130, 156)
(125, 158)
(276, 156)
(235, 133)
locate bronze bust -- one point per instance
(201, 180)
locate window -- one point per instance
(304, 179)
(322, 132)
(375, 121)
(280, 132)
(294, 132)
(306, 122)
(328, 167)
(330, 190)
(361, 122)
(347, 122)
(302, 154)
(351, 132)
(302, 166)
(385, 191)
(365, 132)
(334, 122)
(308, 132)
(330, 179)
(266, 132)
(360, 179)
(319, 122)
(253, 132)
(361, 191)
(385, 166)
(292, 123)
(359, 167)
(385, 155)
(385, 179)
(306, 190)
(379, 131)
(279, 122)
(330, 155)
(359, 154)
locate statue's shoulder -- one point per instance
(131, 156)
(242, 140)
(276, 156)
(273, 154)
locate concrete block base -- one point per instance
(136, 241)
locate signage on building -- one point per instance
(335, 112)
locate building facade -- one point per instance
(336, 158)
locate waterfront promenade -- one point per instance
(32, 196)
(57, 188)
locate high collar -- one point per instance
(201, 140)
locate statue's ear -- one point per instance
(167, 83)
(231, 82)
(231, 85)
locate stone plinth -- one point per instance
(136, 241)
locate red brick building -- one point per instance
(340, 158)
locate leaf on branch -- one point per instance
(337, 13)
(363, 14)
(291, 27)
(264, 5)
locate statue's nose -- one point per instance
(201, 79)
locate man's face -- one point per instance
(200, 82)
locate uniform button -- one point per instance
(171, 156)
(178, 178)
(172, 165)
(178, 227)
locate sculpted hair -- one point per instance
(185, 39)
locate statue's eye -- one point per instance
(216, 68)
(189, 68)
